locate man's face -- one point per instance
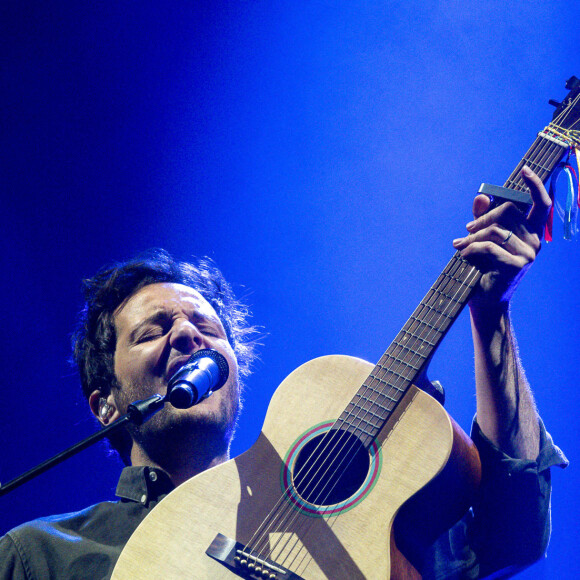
(158, 328)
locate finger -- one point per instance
(499, 255)
(507, 214)
(504, 238)
(507, 217)
(542, 202)
(481, 205)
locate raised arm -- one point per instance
(503, 243)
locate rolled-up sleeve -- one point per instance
(511, 516)
(508, 527)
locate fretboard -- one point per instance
(407, 356)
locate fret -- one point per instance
(407, 363)
(448, 283)
(434, 316)
(407, 355)
(541, 164)
(459, 281)
(367, 424)
(412, 362)
(382, 393)
(511, 184)
(456, 278)
(553, 150)
(535, 165)
(424, 323)
(411, 358)
(446, 289)
(373, 375)
(365, 416)
(380, 403)
(368, 415)
(365, 437)
(381, 398)
(354, 424)
(419, 324)
(438, 312)
(374, 401)
(443, 293)
(439, 309)
(407, 373)
(367, 441)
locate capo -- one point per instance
(500, 194)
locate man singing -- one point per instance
(143, 320)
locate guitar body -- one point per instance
(350, 540)
(285, 509)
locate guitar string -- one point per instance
(412, 331)
(379, 380)
(541, 166)
(568, 112)
(532, 155)
(361, 418)
(268, 524)
(546, 147)
(553, 156)
(283, 547)
(556, 124)
(538, 164)
(465, 287)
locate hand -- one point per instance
(504, 242)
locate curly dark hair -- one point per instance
(94, 340)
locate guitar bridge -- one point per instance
(237, 558)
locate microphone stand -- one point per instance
(137, 413)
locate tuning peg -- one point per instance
(572, 83)
(554, 103)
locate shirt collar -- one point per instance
(144, 485)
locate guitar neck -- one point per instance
(409, 352)
(407, 356)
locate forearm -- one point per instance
(506, 411)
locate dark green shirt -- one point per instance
(508, 527)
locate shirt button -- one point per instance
(152, 476)
(144, 499)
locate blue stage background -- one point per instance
(324, 154)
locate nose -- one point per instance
(185, 337)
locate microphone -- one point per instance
(205, 372)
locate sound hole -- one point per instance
(330, 468)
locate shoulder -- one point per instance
(84, 544)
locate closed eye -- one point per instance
(209, 330)
(150, 334)
(153, 327)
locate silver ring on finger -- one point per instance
(507, 238)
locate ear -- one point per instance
(103, 408)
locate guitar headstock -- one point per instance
(566, 119)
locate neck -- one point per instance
(182, 462)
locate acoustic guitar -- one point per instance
(374, 464)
